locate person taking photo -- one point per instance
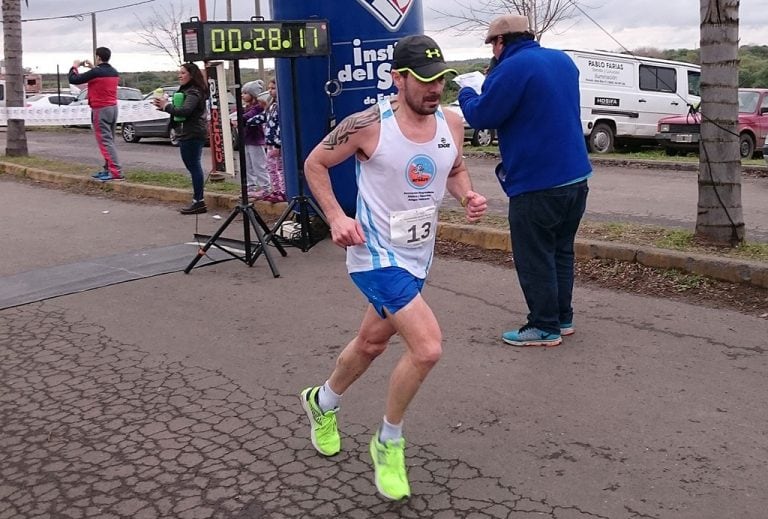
(102, 81)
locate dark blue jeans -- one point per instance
(543, 227)
(191, 155)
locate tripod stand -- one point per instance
(307, 239)
(251, 218)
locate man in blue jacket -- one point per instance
(531, 97)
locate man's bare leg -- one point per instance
(320, 404)
(369, 343)
(417, 325)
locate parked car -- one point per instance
(124, 95)
(46, 100)
(682, 132)
(160, 127)
(765, 151)
(476, 137)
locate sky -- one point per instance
(663, 24)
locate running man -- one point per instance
(408, 152)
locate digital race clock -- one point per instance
(254, 39)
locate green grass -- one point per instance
(676, 239)
(51, 165)
(55, 129)
(614, 231)
(139, 176)
(683, 282)
(673, 239)
(177, 180)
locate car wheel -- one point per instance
(173, 136)
(746, 146)
(482, 138)
(602, 139)
(129, 133)
(670, 152)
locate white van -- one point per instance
(4, 92)
(624, 96)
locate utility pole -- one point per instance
(230, 68)
(93, 36)
(257, 13)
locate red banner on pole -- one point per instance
(220, 131)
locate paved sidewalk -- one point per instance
(175, 396)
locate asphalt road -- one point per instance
(175, 396)
(661, 197)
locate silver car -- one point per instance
(46, 100)
(475, 137)
(160, 127)
(125, 95)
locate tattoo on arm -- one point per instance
(351, 125)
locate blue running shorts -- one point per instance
(390, 288)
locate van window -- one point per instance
(2, 91)
(694, 83)
(658, 79)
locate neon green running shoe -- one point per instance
(389, 466)
(323, 429)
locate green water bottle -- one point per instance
(177, 100)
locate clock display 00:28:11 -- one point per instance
(266, 40)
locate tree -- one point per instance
(719, 218)
(16, 142)
(648, 52)
(543, 15)
(162, 31)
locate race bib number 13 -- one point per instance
(413, 228)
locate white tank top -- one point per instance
(400, 188)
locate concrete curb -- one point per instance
(724, 269)
(757, 170)
(761, 171)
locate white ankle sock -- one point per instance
(327, 399)
(390, 431)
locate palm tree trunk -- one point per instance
(719, 219)
(16, 142)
